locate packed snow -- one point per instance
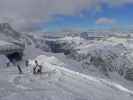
(57, 83)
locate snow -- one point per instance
(57, 83)
(117, 40)
(116, 53)
(42, 60)
(52, 60)
(64, 78)
(3, 61)
(3, 43)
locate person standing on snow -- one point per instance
(37, 69)
(27, 63)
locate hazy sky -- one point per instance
(55, 15)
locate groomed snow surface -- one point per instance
(57, 83)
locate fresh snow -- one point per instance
(57, 83)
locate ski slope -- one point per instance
(57, 83)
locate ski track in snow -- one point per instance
(69, 81)
(108, 83)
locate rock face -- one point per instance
(84, 35)
(129, 74)
(59, 47)
(108, 58)
(105, 57)
(11, 45)
(7, 30)
(37, 42)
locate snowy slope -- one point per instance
(107, 55)
(57, 83)
(110, 58)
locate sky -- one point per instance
(67, 15)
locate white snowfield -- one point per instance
(57, 83)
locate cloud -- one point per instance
(105, 21)
(23, 14)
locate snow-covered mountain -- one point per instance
(74, 68)
(10, 40)
(109, 54)
(108, 57)
(8, 33)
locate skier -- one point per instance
(19, 68)
(34, 68)
(40, 69)
(26, 63)
(37, 69)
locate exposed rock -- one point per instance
(7, 30)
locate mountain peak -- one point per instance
(6, 29)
